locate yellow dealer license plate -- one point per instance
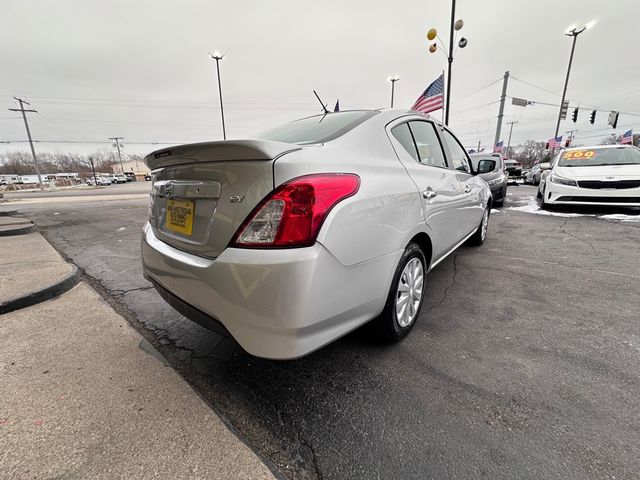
(180, 216)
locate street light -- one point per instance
(573, 31)
(393, 79)
(217, 56)
(456, 25)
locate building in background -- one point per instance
(138, 167)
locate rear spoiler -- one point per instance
(220, 151)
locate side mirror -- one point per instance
(486, 166)
(545, 166)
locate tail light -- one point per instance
(291, 215)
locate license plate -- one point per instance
(180, 216)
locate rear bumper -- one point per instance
(556, 194)
(277, 304)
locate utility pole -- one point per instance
(501, 111)
(571, 132)
(117, 142)
(509, 142)
(478, 147)
(93, 169)
(26, 125)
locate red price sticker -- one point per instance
(579, 155)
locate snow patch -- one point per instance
(622, 217)
(532, 206)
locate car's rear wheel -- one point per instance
(405, 295)
(480, 234)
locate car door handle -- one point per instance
(428, 193)
(467, 189)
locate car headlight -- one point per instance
(496, 181)
(555, 178)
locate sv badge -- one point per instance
(236, 198)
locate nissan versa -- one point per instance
(296, 237)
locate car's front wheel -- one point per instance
(405, 295)
(543, 204)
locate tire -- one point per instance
(394, 323)
(499, 204)
(480, 234)
(544, 205)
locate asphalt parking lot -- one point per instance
(524, 364)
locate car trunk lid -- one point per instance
(201, 193)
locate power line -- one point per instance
(535, 86)
(476, 91)
(477, 107)
(592, 106)
(535, 102)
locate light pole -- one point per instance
(217, 56)
(573, 32)
(393, 79)
(456, 25)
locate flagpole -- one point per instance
(443, 87)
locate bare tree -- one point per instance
(614, 139)
(20, 162)
(530, 152)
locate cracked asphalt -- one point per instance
(525, 362)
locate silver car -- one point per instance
(294, 238)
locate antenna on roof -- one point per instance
(324, 107)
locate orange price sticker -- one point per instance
(579, 154)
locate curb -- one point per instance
(21, 230)
(32, 298)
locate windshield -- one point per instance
(317, 129)
(595, 157)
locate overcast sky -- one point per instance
(139, 69)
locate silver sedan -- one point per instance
(294, 238)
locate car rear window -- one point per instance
(317, 129)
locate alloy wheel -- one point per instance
(409, 293)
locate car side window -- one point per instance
(403, 135)
(429, 148)
(458, 154)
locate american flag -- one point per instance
(555, 142)
(627, 137)
(497, 148)
(431, 98)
